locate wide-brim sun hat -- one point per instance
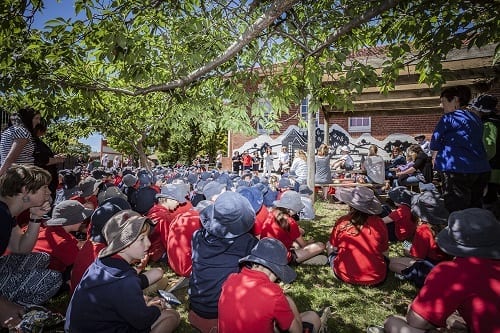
(230, 216)
(400, 195)
(212, 188)
(429, 207)
(102, 215)
(472, 232)
(174, 192)
(88, 186)
(121, 230)
(290, 200)
(110, 192)
(69, 212)
(271, 253)
(253, 195)
(360, 198)
(129, 180)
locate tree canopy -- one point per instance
(162, 73)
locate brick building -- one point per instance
(410, 109)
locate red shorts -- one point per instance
(202, 324)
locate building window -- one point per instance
(360, 124)
(261, 123)
(304, 108)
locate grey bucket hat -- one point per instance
(290, 200)
(472, 232)
(360, 198)
(122, 230)
(88, 186)
(401, 195)
(429, 206)
(271, 253)
(68, 212)
(174, 192)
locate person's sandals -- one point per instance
(319, 260)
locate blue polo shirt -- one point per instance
(458, 140)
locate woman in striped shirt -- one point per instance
(16, 144)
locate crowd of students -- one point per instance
(232, 236)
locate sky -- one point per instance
(65, 9)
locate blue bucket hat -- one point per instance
(102, 214)
(212, 188)
(401, 195)
(272, 254)
(230, 216)
(253, 195)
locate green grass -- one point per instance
(354, 308)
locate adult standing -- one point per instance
(268, 161)
(45, 157)
(284, 159)
(236, 159)
(16, 144)
(458, 151)
(486, 105)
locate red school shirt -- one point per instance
(59, 244)
(404, 226)
(162, 217)
(424, 245)
(179, 240)
(259, 303)
(272, 229)
(260, 218)
(85, 257)
(360, 258)
(470, 285)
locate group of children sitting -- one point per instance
(232, 236)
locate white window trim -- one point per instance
(359, 128)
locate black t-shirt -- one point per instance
(7, 222)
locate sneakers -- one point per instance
(327, 312)
(375, 329)
(319, 260)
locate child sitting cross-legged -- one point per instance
(109, 297)
(431, 215)
(399, 222)
(264, 306)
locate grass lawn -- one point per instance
(354, 308)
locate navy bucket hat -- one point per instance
(230, 216)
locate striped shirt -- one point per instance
(9, 135)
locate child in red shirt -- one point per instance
(280, 225)
(399, 222)
(55, 237)
(359, 240)
(428, 207)
(264, 305)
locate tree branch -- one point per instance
(367, 16)
(275, 10)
